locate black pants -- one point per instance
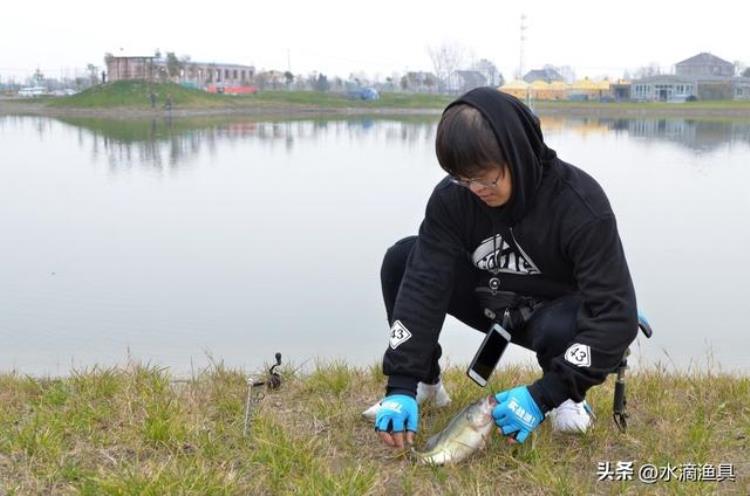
(548, 331)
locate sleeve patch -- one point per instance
(579, 355)
(399, 334)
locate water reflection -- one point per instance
(698, 135)
(174, 142)
(169, 143)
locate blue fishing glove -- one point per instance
(398, 412)
(517, 412)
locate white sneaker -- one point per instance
(571, 417)
(435, 393)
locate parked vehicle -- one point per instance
(64, 92)
(32, 91)
(367, 94)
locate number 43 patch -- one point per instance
(399, 334)
(579, 355)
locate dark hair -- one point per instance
(465, 143)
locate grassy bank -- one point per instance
(128, 97)
(712, 109)
(136, 94)
(136, 431)
(337, 100)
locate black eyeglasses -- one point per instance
(466, 183)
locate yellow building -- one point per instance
(605, 89)
(517, 88)
(586, 89)
(558, 90)
(540, 90)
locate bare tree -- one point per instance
(93, 73)
(739, 67)
(38, 77)
(300, 83)
(395, 79)
(359, 78)
(289, 78)
(404, 83)
(653, 69)
(446, 59)
(262, 80)
(567, 72)
(489, 71)
(322, 84)
(430, 82)
(174, 65)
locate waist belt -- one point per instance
(509, 309)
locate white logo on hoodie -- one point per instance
(495, 255)
(579, 355)
(399, 334)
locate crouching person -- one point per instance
(512, 231)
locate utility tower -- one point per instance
(522, 54)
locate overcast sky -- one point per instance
(378, 38)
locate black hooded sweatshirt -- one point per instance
(556, 235)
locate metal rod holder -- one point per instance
(272, 381)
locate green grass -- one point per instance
(137, 431)
(135, 94)
(699, 104)
(699, 110)
(339, 100)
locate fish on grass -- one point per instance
(466, 433)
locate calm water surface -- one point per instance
(189, 241)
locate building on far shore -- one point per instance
(518, 88)
(548, 75)
(742, 88)
(620, 90)
(663, 88)
(132, 67)
(588, 90)
(705, 66)
(200, 75)
(703, 77)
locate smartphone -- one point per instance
(488, 354)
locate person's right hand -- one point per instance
(516, 413)
(398, 414)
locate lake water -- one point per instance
(227, 239)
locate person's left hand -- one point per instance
(517, 413)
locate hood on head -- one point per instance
(520, 138)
